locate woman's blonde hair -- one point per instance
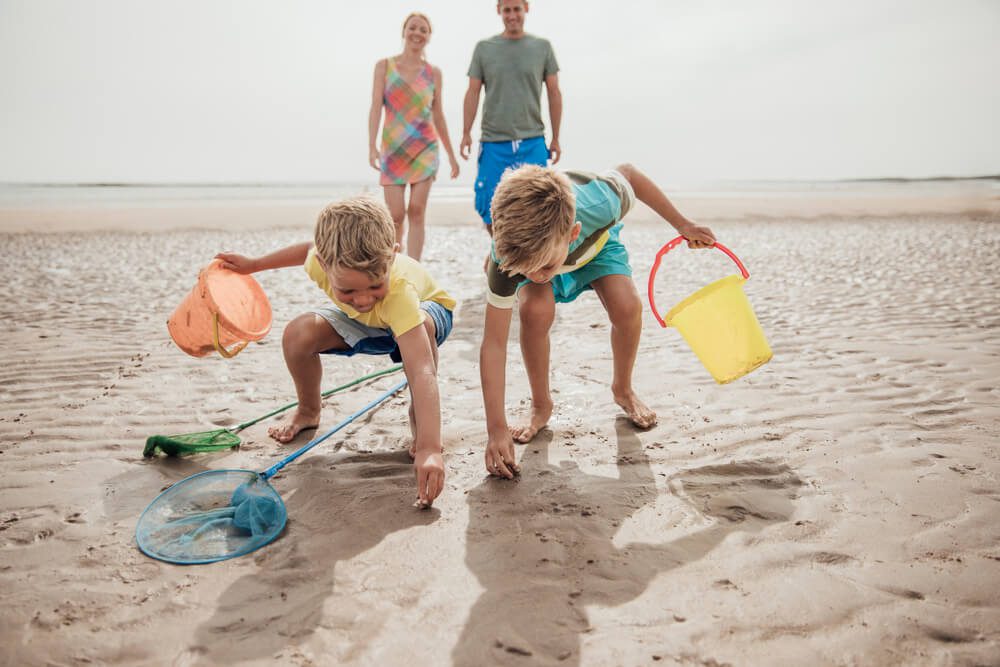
(533, 210)
(418, 15)
(356, 234)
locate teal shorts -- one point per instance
(611, 261)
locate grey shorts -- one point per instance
(363, 339)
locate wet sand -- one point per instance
(839, 505)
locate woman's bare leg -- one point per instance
(415, 211)
(395, 200)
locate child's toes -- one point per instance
(643, 418)
(522, 434)
(279, 433)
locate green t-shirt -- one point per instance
(513, 71)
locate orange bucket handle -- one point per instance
(228, 354)
(224, 312)
(231, 326)
(670, 245)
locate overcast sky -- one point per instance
(253, 91)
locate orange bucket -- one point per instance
(224, 312)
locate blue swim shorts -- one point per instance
(612, 260)
(364, 339)
(496, 157)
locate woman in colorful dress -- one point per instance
(409, 88)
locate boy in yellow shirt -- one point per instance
(383, 303)
(555, 236)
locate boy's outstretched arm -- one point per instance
(418, 364)
(500, 458)
(293, 255)
(649, 193)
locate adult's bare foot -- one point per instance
(637, 411)
(539, 419)
(292, 425)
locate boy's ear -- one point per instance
(396, 248)
(576, 232)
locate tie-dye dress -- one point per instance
(409, 140)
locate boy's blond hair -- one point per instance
(356, 234)
(533, 210)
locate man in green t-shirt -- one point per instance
(512, 66)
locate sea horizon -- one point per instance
(28, 194)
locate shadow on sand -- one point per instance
(333, 516)
(543, 549)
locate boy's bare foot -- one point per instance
(637, 411)
(291, 426)
(539, 419)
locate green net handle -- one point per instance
(328, 392)
(273, 470)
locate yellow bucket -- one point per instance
(717, 322)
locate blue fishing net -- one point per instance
(222, 514)
(211, 516)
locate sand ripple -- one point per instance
(837, 506)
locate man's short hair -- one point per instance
(357, 234)
(533, 209)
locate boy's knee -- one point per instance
(626, 309)
(536, 311)
(299, 335)
(294, 333)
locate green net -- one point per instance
(226, 438)
(187, 443)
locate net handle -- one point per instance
(273, 470)
(668, 246)
(325, 394)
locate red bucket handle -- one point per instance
(656, 267)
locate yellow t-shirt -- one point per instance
(399, 310)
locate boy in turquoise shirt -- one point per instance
(555, 235)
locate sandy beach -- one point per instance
(838, 506)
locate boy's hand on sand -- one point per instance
(237, 263)
(500, 459)
(429, 468)
(698, 236)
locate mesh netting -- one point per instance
(191, 443)
(211, 516)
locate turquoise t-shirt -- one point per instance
(513, 71)
(601, 201)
